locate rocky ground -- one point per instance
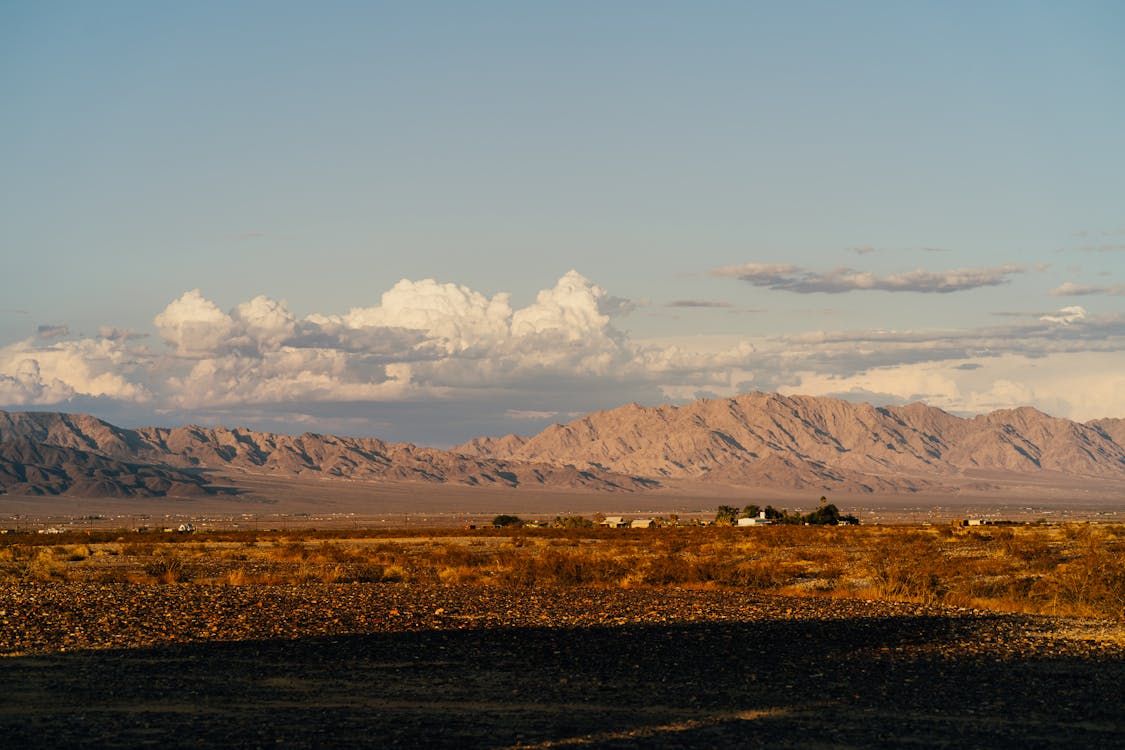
(408, 665)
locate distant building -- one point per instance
(615, 522)
(640, 523)
(758, 520)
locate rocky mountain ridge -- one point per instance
(72, 453)
(767, 439)
(761, 440)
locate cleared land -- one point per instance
(798, 636)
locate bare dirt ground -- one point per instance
(264, 501)
(431, 666)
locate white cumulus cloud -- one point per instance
(443, 349)
(194, 325)
(34, 373)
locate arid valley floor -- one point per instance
(677, 637)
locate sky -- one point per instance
(431, 221)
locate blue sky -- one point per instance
(880, 201)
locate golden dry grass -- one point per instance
(1075, 569)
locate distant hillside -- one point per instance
(757, 440)
(765, 439)
(53, 453)
(28, 468)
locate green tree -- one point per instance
(751, 511)
(825, 515)
(726, 514)
(504, 521)
(572, 522)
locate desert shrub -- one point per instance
(558, 568)
(761, 574)
(907, 566)
(237, 577)
(1091, 582)
(367, 573)
(31, 563)
(673, 569)
(1034, 554)
(290, 551)
(76, 553)
(394, 573)
(313, 573)
(456, 555)
(169, 569)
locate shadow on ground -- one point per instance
(856, 683)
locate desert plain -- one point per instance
(214, 587)
(680, 636)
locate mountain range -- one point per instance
(766, 439)
(761, 440)
(53, 453)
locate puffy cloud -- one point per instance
(795, 279)
(458, 316)
(571, 310)
(195, 326)
(286, 375)
(458, 355)
(22, 384)
(423, 339)
(31, 373)
(266, 322)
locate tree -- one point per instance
(751, 511)
(503, 521)
(726, 514)
(825, 515)
(572, 522)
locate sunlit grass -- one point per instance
(1074, 569)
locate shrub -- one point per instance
(168, 570)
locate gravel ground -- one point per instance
(407, 665)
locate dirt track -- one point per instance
(395, 665)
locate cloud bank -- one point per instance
(1070, 289)
(440, 362)
(791, 278)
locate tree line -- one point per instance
(827, 514)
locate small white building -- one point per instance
(615, 522)
(758, 520)
(640, 523)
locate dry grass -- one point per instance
(1076, 569)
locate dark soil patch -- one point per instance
(381, 666)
